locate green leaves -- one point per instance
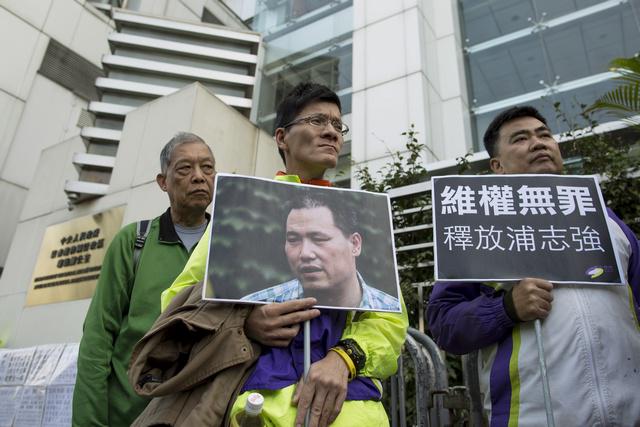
(406, 168)
(624, 100)
(612, 156)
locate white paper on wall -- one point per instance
(45, 360)
(9, 400)
(29, 413)
(14, 365)
(57, 409)
(65, 372)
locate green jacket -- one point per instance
(122, 310)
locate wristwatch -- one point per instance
(355, 353)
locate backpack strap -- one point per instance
(142, 231)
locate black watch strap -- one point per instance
(355, 353)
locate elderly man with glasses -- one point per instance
(350, 353)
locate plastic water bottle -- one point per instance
(250, 416)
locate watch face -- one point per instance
(355, 352)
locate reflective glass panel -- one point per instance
(572, 43)
(571, 103)
(303, 40)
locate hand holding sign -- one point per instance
(276, 324)
(532, 299)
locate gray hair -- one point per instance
(178, 139)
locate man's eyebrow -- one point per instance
(539, 129)
(519, 132)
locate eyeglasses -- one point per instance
(321, 120)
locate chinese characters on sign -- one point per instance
(499, 200)
(70, 257)
(507, 227)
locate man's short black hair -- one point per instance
(493, 131)
(298, 98)
(344, 216)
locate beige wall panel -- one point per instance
(129, 150)
(358, 126)
(451, 86)
(385, 121)
(16, 276)
(50, 324)
(62, 21)
(10, 309)
(52, 118)
(436, 121)
(443, 22)
(93, 206)
(224, 14)
(34, 65)
(153, 7)
(19, 55)
(146, 201)
(11, 200)
(195, 6)
(47, 187)
(377, 10)
(229, 133)
(268, 161)
(458, 137)
(418, 111)
(430, 52)
(90, 37)
(178, 10)
(165, 117)
(32, 11)
(245, 8)
(146, 130)
(10, 111)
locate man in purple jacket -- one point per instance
(591, 333)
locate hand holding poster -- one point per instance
(277, 241)
(507, 227)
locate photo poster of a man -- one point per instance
(274, 241)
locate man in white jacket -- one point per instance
(591, 333)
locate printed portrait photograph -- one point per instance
(275, 241)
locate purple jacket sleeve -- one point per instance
(464, 317)
(634, 260)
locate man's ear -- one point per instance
(496, 166)
(356, 244)
(279, 137)
(162, 181)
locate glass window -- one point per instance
(302, 7)
(487, 19)
(570, 104)
(521, 63)
(318, 50)
(507, 70)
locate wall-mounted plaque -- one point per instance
(71, 256)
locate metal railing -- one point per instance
(435, 400)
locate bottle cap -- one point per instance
(254, 404)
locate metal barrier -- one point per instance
(434, 399)
(472, 382)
